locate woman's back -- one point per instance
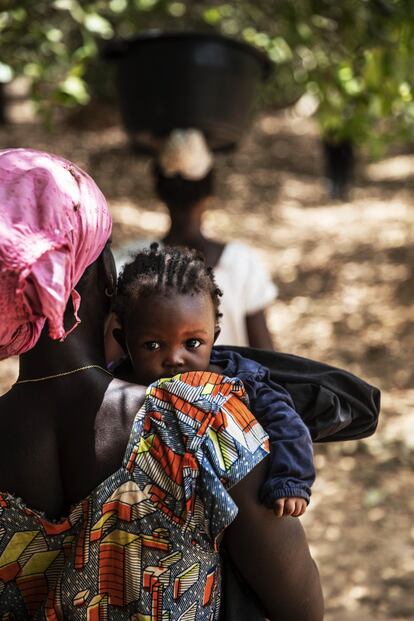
(145, 540)
(62, 438)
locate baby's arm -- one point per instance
(291, 472)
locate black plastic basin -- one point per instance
(180, 80)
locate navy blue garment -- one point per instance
(291, 471)
(334, 404)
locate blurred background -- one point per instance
(319, 181)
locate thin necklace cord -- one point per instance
(64, 373)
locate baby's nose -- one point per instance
(174, 358)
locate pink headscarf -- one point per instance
(54, 222)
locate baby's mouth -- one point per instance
(172, 372)
(178, 371)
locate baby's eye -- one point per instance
(152, 345)
(193, 343)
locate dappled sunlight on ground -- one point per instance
(398, 168)
(345, 273)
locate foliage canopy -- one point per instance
(351, 60)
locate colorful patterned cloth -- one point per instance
(143, 545)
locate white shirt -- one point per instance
(247, 288)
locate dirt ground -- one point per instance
(345, 272)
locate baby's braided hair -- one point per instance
(165, 270)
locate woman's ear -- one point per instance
(217, 333)
(109, 267)
(115, 343)
(119, 336)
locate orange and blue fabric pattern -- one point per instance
(143, 545)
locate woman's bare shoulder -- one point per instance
(125, 396)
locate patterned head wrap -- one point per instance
(54, 222)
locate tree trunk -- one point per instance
(339, 167)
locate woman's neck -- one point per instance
(84, 346)
(186, 230)
(185, 227)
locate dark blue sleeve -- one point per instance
(291, 471)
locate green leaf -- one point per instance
(76, 88)
(54, 35)
(212, 16)
(118, 6)
(145, 5)
(405, 92)
(279, 50)
(64, 5)
(33, 70)
(177, 9)
(19, 15)
(98, 25)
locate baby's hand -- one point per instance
(290, 506)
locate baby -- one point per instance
(167, 305)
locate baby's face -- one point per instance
(169, 335)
